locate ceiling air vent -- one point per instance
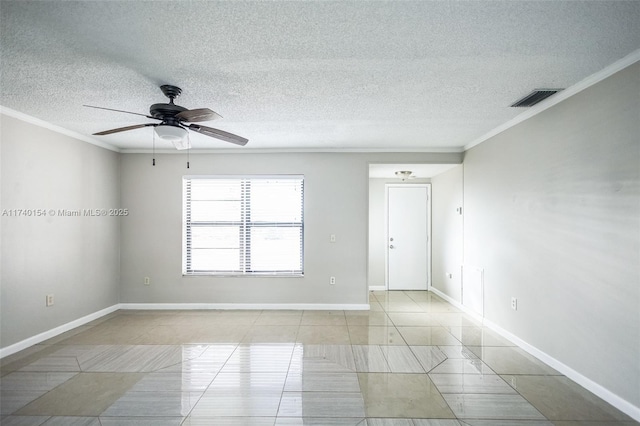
(534, 97)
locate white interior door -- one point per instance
(408, 237)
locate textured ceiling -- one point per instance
(351, 75)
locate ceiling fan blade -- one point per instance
(124, 129)
(196, 115)
(119, 110)
(219, 134)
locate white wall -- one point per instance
(74, 258)
(378, 229)
(336, 202)
(552, 214)
(446, 231)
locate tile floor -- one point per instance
(413, 360)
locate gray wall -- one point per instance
(74, 258)
(552, 214)
(336, 202)
(446, 232)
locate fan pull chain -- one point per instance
(188, 149)
(154, 147)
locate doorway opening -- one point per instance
(381, 174)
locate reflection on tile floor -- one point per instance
(412, 360)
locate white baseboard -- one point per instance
(248, 306)
(448, 298)
(377, 288)
(39, 338)
(593, 387)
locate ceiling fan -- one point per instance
(176, 120)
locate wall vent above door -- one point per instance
(534, 97)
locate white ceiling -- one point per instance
(347, 75)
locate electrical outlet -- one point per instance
(514, 303)
(49, 300)
(332, 280)
(147, 281)
(332, 238)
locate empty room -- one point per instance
(372, 213)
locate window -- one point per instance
(251, 225)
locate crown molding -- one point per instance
(45, 125)
(454, 150)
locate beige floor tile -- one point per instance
(219, 334)
(401, 306)
(492, 406)
(322, 359)
(471, 383)
(106, 334)
(435, 307)
(324, 334)
(141, 318)
(478, 336)
(392, 296)
(60, 339)
(73, 421)
(142, 421)
(226, 421)
(14, 399)
(23, 358)
(279, 318)
(413, 319)
(256, 358)
(429, 336)
(402, 396)
(455, 319)
(401, 359)
(244, 317)
(271, 334)
(559, 398)
(312, 318)
(34, 380)
(86, 394)
(511, 360)
(375, 335)
(375, 307)
(367, 318)
(591, 423)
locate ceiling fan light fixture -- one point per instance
(170, 133)
(182, 144)
(404, 174)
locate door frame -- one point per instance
(386, 220)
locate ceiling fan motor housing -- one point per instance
(165, 111)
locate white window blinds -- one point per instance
(251, 225)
